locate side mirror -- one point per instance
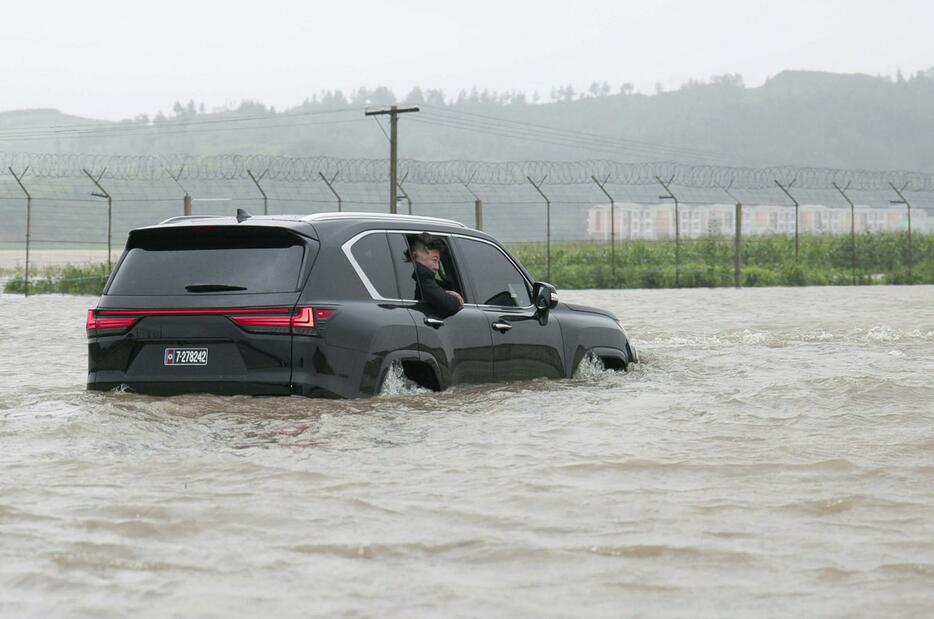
(544, 296)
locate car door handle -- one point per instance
(434, 322)
(502, 326)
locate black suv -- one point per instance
(327, 305)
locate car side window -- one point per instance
(372, 254)
(399, 249)
(497, 280)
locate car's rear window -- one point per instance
(206, 259)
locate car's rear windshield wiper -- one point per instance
(212, 287)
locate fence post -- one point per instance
(19, 181)
(256, 181)
(852, 224)
(477, 202)
(538, 188)
(738, 239)
(330, 184)
(602, 187)
(674, 198)
(186, 201)
(405, 194)
(795, 202)
(104, 194)
(902, 200)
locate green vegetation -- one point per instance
(767, 261)
(86, 279)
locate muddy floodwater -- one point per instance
(772, 456)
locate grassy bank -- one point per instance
(767, 261)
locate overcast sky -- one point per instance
(110, 59)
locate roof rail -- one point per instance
(318, 217)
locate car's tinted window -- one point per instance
(497, 280)
(405, 270)
(372, 254)
(205, 259)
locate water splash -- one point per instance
(591, 366)
(397, 383)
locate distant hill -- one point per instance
(795, 118)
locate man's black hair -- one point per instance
(431, 242)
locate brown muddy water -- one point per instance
(772, 455)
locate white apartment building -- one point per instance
(657, 221)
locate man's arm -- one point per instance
(441, 301)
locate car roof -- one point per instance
(327, 223)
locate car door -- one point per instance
(523, 347)
(459, 344)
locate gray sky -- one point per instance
(110, 59)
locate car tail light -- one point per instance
(303, 321)
(103, 325)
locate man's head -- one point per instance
(426, 250)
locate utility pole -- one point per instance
(602, 187)
(19, 181)
(103, 194)
(792, 198)
(902, 200)
(674, 198)
(393, 113)
(852, 225)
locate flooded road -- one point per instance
(772, 455)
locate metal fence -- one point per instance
(88, 203)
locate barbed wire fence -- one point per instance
(89, 202)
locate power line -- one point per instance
(633, 154)
(112, 128)
(583, 134)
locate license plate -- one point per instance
(186, 356)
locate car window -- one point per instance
(178, 261)
(372, 254)
(497, 280)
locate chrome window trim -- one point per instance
(347, 248)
